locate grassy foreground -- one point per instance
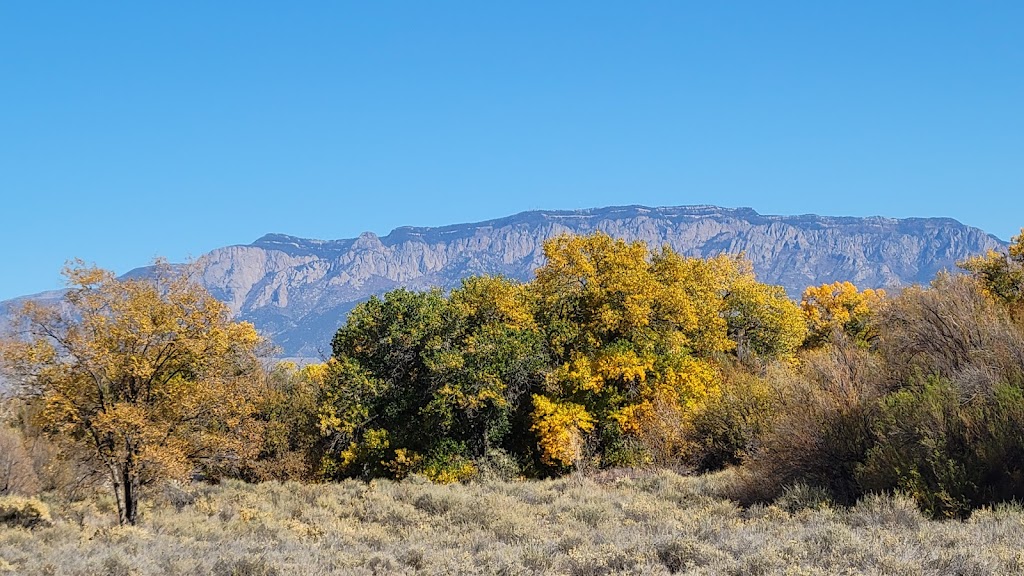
(627, 523)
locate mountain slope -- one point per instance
(298, 290)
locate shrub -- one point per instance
(732, 423)
(447, 463)
(17, 475)
(885, 511)
(24, 512)
(802, 497)
(497, 465)
(950, 435)
(951, 329)
(950, 449)
(823, 429)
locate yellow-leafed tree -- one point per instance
(634, 334)
(561, 429)
(762, 320)
(148, 377)
(1001, 273)
(838, 309)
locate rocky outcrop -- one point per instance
(298, 291)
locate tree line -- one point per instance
(613, 355)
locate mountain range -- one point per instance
(298, 291)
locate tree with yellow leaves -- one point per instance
(561, 428)
(765, 324)
(147, 377)
(1001, 273)
(613, 347)
(838, 309)
(633, 335)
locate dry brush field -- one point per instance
(624, 523)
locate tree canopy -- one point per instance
(609, 354)
(148, 376)
(1002, 273)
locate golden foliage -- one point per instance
(839, 308)
(663, 418)
(762, 319)
(147, 376)
(634, 335)
(560, 429)
(1002, 274)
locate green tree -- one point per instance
(762, 320)
(148, 377)
(425, 383)
(952, 449)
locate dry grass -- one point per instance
(630, 523)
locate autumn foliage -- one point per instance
(614, 355)
(606, 359)
(147, 378)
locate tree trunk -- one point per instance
(131, 497)
(115, 480)
(126, 492)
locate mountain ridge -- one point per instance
(298, 290)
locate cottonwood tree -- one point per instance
(1001, 273)
(634, 336)
(148, 377)
(421, 382)
(838, 310)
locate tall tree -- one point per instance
(148, 377)
(421, 382)
(634, 335)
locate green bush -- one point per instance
(448, 463)
(497, 465)
(951, 449)
(24, 512)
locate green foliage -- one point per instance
(732, 424)
(952, 450)
(447, 463)
(432, 373)
(1002, 274)
(762, 320)
(611, 353)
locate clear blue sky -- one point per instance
(135, 129)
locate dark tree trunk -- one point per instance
(131, 498)
(126, 492)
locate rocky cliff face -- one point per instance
(298, 291)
